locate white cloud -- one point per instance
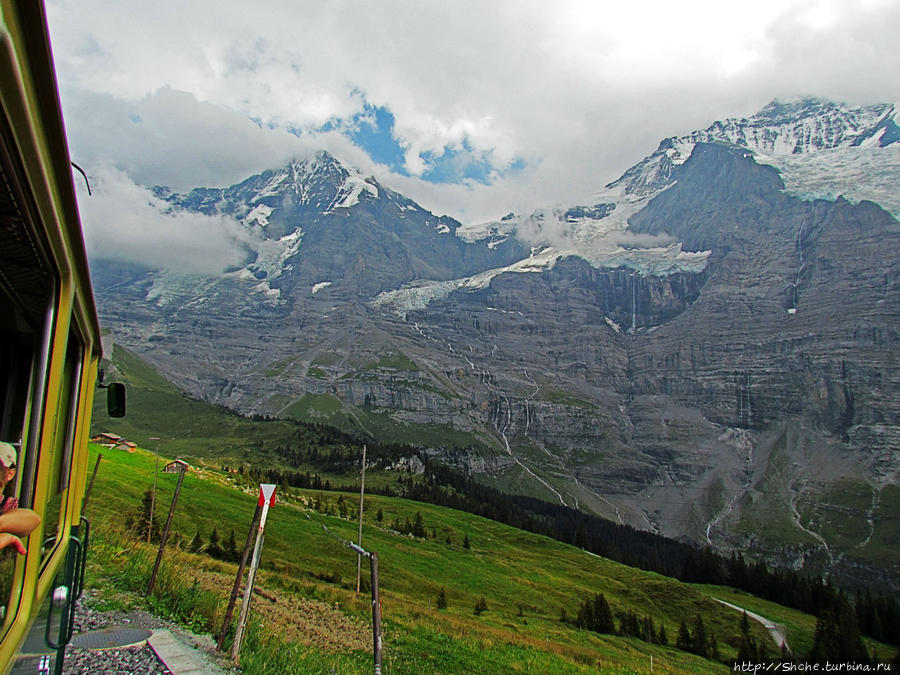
(579, 89)
(124, 221)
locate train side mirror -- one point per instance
(115, 399)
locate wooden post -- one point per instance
(162, 543)
(87, 494)
(237, 580)
(362, 490)
(266, 499)
(153, 501)
(376, 613)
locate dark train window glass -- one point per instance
(58, 460)
(21, 356)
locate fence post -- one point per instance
(376, 613)
(237, 580)
(266, 499)
(362, 490)
(181, 467)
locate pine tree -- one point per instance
(596, 615)
(196, 544)
(418, 526)
(684, 641)
(466, 541)
(838, 638)
(585, 617)
(442, 599)
(699, 641)
(603, 616)
(230, 552)
(141, 522)
(214, 549)
(629, 624)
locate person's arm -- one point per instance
(19, 522)
(11, 540)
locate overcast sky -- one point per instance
(472, 108)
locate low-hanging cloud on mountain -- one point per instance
(547, 227)
(126, 222)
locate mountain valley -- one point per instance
(705, 349)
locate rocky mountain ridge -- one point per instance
(700, 351)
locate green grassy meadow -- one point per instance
(527, 581)
(308, 618)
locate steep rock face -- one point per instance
(730, 385)
(794, 320)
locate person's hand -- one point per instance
(7, 539)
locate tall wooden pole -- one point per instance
(362, 490)
(235, 591)
(162, 543)
(153, 500)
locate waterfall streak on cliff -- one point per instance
(615, 508)
(537, 389)
(795, 517)
(501, 419)
(795, 299)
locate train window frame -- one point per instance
(27, 411)
(25, 367)
(56, 461)
(31, 286)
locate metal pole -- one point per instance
(376, 601)
(237, 580)
(362, 490)
(248, 591)
(162, 544)
(87, 494)
(376, 613)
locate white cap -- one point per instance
(8, 455)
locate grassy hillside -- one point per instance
(307, 584)
(162, 418)
(157, 409)
(526, 586)
(161, 415)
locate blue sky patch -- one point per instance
(372, 129)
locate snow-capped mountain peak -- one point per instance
(821, 148)
(321, 181)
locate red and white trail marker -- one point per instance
(266, 499)
(267, 494)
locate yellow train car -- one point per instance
(49, 351)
